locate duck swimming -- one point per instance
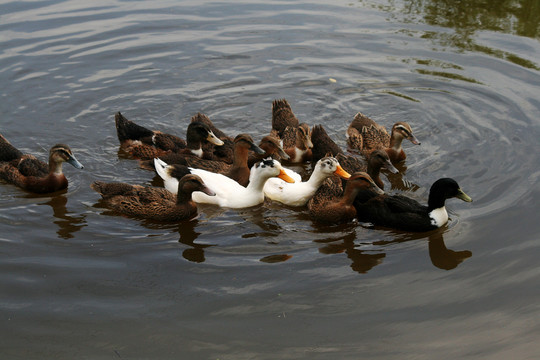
(143, 143)
(31, 174)
(299, 193)
(229, 193)
(403, 213)
(238, 171)
(153, 203)
(336, 209)
(366, 135)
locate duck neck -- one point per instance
(435, 201)
(256, 183)
(240, 159)
(55, 167)
(317, 178)
(395, 141)
(374, 171)
(183, 197)
(349, 194)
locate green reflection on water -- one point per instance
(466, 18)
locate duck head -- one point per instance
(198, 132)
(403, 130)
(61, 153)
(443, 189)
(271, 145)
(269, 168)
(245, 141)
(329, 165)
(303, 137)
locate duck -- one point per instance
(403, 213)
(143, 143)
(238, 170)
(339, 208)
(299, 193)
(272, 148)
(225, 152)
(366, 135)
(373, 163)
(32, 174)
(297, 143)
(153, 203)
(282, 117)
(229, 193)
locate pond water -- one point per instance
(267, 283)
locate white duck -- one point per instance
(228, 192)
(299, 193)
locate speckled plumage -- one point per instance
(150, 202)
(282, 117)
(365, 135)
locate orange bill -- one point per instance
(342, 173)
(283, 176)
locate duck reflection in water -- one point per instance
(439, 254)
(67, 224)
(362, 260)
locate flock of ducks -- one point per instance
(212, 168)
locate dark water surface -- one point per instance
(266, 283)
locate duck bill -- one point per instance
(213, 139)
(390, 167)
(461, 195)
(282, 154)
(256, 149)
(342, 173)
(283, 176)
(74, 162)
(208, 191)
(414, 140)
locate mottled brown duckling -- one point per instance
(272, 149)
(153, 203)
(239, 169)
(336, 209)
(366, 135)
(31, 174)
(143, 143)
(297, 143)
(403, 213)
(282, 117)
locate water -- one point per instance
(267, 283)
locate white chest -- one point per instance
(438, 216)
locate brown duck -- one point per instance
(31, 174)
(143, 143)
(336, 209)
(153, 203)
(366, 135)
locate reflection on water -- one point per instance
(441, 256)
(67, 224)
(467, 18)
(362, 260)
